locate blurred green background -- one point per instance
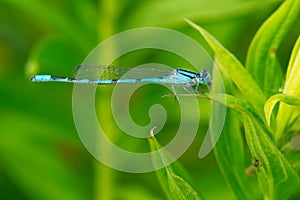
(41, 156)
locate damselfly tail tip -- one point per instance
(33, 79)
(41, 78)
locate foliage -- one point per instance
(277, 178)
(40, 154)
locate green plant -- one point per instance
(41, 155)
(251, 102)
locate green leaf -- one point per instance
(173, 178)
(276, 177)
(273, 100)
(293, 68)
(238, 74)
(229, 148)
(240, 106)
(262, 61)
(286, 113)
(229, 152)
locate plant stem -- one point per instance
(104, 178)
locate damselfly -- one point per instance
(106, 75)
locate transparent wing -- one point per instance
(117, 72)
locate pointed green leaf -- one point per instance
(292, 82)
(286, 113)
(293, 68)
(273, 100)
(262, 62)
(173, 178)
(276, 177)
(238, 74)
(238, 105)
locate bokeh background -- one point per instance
(41, 155)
